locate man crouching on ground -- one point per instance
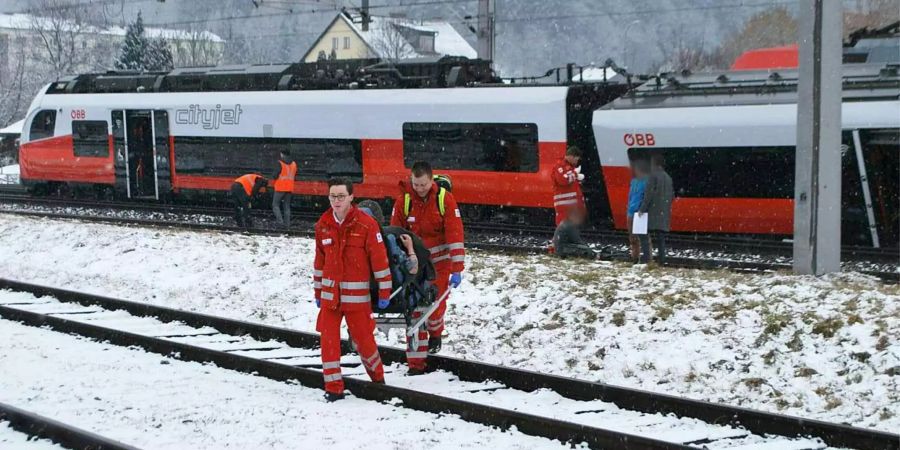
(349, 251)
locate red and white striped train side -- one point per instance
(259, 121)
(731, 157)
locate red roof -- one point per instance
(768, 58)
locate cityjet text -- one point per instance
(210, 118)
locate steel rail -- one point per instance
(758, 422)
(60, 433)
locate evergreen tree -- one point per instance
(158, 56)
(134, 47)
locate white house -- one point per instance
(347, 37)
(91, 48)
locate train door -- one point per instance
(871, 190)
(141, 141)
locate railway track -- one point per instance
(727, 244)
(67, 436)
(680, 262)
(554, 407)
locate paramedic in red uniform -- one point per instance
(349, 252)
(430, 212)
(567, 179)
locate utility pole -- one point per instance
(364, 14)
(485, 31)
(817, 188)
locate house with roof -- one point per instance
(353, 36)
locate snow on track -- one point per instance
(823, 348)
(15, 440)
(155, 402)
(541, 403)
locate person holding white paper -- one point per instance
(640, 169)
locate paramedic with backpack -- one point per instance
(430, 212)
(349, 253)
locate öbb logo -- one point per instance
(639, 140)
(210, 118)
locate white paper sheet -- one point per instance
(639, 223)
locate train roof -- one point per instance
(861, 82)
(426, 72)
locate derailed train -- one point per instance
(727, 138)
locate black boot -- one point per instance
(332, 397)
(415, 372)
(434, 345)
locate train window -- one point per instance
(43, 125)
(492, 147)
(90, 138)
(317, 159)
(733, 172)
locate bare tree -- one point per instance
(871, 14)
(63, 33)
(196, 48)
(389, 42)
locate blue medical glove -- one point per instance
(455, 279)
(318, 303)
(383, 303)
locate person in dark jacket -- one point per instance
(567, 240)
(283, 177)
(243, 190)
(657, 203)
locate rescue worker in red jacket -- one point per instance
(567, 178)
(243, 190)
(349, 252)
(430, 212)
(283, 186)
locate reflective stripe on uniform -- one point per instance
(327, 282)
(385, 285)
(440, 258)
(372, 362)
(416, 354)
(317, 284)
(458, 258)
(331, 365)
(566, 195)
(382, 273)
(317, 273)
(565, 202)
(327, 296)
(456, 246)
(437, 248)
(332, 377)
(355, 299)
(354, 284)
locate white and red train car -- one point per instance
(729, 140)
(497, 143)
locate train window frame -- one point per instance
(422, 142)
(725, 183)
(318, 159)
(47, 128)
(85, 147)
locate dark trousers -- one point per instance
(279, 200)
(241, 206)
(659, 237)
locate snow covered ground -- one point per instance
(9, 174)
(12, 439)
(818, 348)
(150, 401)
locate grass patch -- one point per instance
(724, 311)
(805, 372)
(754, 383)
(618, 318)
(662, 312)
(883, 343)
(828, 327)
(853, 318)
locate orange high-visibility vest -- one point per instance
(248, 181)
(285, 181)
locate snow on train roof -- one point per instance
(748, 87)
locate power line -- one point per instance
(76, 5)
